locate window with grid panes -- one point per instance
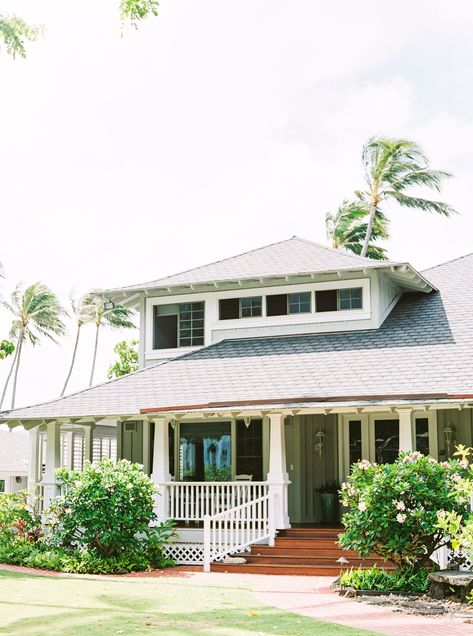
(250, 307)
(350, 298)
(191, 324)
(299, 303)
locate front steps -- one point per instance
(302, 551)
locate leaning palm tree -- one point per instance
(36, 313)
(391, 167)
(347, 229)
(105, 312)
(83, 310)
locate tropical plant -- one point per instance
(105, 507)
(18, 518)
(375, 578)
(82, 308)
(391, 168)
(15, 32)
(6, 348)
(105, 312)
(127, 359)
(37, 312)
(348, 227)
(392, 508)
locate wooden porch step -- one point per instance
(289, 542)
(308, 551)
(263, 568)
(316, 533)
(288, 559)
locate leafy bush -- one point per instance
(393, 507)
(106, 507)
(384, 581)
(17, 517)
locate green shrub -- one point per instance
(106, 507)
(392, 508)
(17, 517)
(384, 581)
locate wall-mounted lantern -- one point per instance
(319, 441)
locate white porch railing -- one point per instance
(235, 529)
(193, 501)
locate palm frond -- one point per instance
(427, 205)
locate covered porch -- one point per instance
(233, 477)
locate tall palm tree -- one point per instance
(36, 313)
(347, 229)
(107, 313)
(82, 308)
(391, 167)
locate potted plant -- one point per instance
(328, 497)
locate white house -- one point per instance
(265, 376)
(13, 461)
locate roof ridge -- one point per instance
(363, 259)
(452, 260)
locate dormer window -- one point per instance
(339, 299)
(234, 308)
(284, 304)
(179, 325)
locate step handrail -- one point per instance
(237, 528)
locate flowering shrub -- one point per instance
(392, 508)
(105, 507)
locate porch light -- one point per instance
(319, 441)
(448, 434)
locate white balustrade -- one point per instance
(192, 501)
(233, 530)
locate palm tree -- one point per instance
(105, 312)
(82, 308)
(37, 312)
(347, 229)
(391, 167)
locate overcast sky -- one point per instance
(216, 128)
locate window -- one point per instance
(422, 435)
(354, 441)
(350, 298)
(205, 452)
(234, 308)
(249, 457)
(339, 299)
(2, 485)
(284, 304)
(104, 448)
(386, 434)
(178, 325)
(299, 303)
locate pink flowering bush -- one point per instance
(393, 508)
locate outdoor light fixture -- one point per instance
(319, 441)
(247, 421)
(108, 304)
(448, 434)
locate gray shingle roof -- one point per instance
(13, 452)
(425, 346)
(289, 257)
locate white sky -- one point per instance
(216, 128)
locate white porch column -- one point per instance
(278, 478)
(53, 461)
(161, 473)
(33, 468)
(406, 431)
(89, 443)
(146, 447)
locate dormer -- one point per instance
(292, 287)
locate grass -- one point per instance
(172, 606)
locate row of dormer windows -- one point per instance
(182, 324)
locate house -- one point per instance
(264, 377)
(13, 461)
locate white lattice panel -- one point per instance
(185, 553)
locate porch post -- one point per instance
(278, 478)
(406, 432)
(89, 443)
(161, 474)
(33, 468)
(53, 461)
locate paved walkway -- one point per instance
(309, 596)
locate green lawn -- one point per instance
(168, 606)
